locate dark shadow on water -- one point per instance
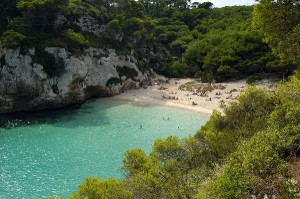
(93, 112)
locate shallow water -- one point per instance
(50, 153)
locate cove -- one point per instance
(52, 152)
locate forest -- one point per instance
(252, 149)
(176, 38)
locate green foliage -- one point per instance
(279, 22)
(259, 166)
(238, 154)
(241, 121)
(229, 54)
(282, 66)
(94, 188)
(77, 7)
(135, 161)
(250, 169)
(8, 11)
(141, 65)
(171, 148)
(75, 39)
(252, 79)
(39, 15)
(177, 38)
(132, 26)
(286, 116)
(248, 144)
(176, 69)
(290, 189)
(114, 26)
(12, 39)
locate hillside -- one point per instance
(56, 53)
(82, 49)
(176, 39)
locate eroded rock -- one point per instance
(25, 86)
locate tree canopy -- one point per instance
(242, 153)
(279, 21)
(176, 38)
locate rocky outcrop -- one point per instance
(25, 86)
(89, 24)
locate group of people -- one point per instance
(170, 97)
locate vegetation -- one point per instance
(244, 152)
(177, 39)
(12, 39)
(248, 150)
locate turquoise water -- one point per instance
(50, 153)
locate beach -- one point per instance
(192, 94)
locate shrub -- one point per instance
(252, 79)
(114, 26)
(222, 104)
(12, 39)
(76, 39)
(93, 187)
(141, 65)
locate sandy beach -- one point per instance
(174, 92)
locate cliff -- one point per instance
(61, 78)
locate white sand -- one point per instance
(152, 95)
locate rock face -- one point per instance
(91, 25)
(25, 86)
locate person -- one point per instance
(141, 126)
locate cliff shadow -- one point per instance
(91, 113)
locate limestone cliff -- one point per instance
(26, 85)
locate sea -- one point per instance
(50, 153)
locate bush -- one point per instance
(252, 79)
(12, 39)
(96, 188)
(114, 26)
(75, 39)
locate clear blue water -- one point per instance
(50, 153)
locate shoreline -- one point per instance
(163, 103)
(172, 93)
